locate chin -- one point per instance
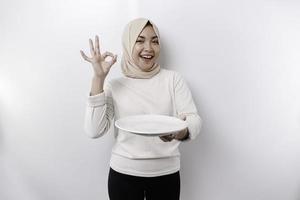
(146, 68)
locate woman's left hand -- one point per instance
(177, 136)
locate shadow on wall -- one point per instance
(163, 57)
(2, 143)
(297, 196)
(1, 133)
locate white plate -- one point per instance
(151, 125)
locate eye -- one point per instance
(139, 41)
(155, 41)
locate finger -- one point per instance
(84, 56)
(170, 137)
(97, 45)
(181, 134)
(173, 136)
(113, 60)
(106, 54)
(177, 137)
(165, 138)
(92, 47)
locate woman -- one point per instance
(140, 166)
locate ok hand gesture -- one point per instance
(100, 65)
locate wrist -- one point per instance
(98, 78)
(97, 85)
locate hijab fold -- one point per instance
(130, 35)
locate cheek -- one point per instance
(157, 51)
(135, 55)
(136, 52)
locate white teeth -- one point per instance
(148, 57)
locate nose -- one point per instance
(148, 46)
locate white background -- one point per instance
(240, 59)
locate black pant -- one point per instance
(127, 187)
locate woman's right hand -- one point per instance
(100, 65)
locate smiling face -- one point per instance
(146, 49)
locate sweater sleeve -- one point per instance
(99, 113)
(185, 105)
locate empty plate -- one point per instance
(151, 125)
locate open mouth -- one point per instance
(146, 57)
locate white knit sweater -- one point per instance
(166, 93)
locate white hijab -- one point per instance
(130, 35)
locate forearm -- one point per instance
(97, 85)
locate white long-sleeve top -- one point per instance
(166, 93)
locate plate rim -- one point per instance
(145, 133)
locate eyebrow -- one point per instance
(154, 37)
